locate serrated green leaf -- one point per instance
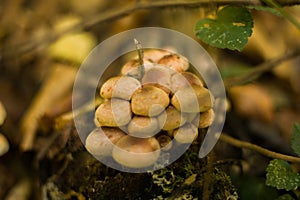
(295, 141)
(280, 175)
(230, 30)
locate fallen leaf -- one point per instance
(2, 113)
(58, 83)
(4, 145)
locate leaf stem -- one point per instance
(242, 144)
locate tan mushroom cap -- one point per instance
(100, 141)
(192, 117)
(136, 152)
(206, 119)
(143, 127)
(131, 67)
(154, 54)
(171, 118)
(192, 99)
(149, 101)
(175, 62)
(113, 113)
(158, 76)
(186, 133)
(119, 87)
(184, 79)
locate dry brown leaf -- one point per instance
(21, 191)
(4, 145)
(71, 48)
(252, 101)
(2, 113)
(58, 83)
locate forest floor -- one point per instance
(46, 159)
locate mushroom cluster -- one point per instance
(146, 106)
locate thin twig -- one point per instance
(116, 13)
(139, 49)
(260, 69)
(283, 12)
(256, 148)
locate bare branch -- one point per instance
(242, 144)
(116, 13)
(260, 69)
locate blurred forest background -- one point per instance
(42, 44)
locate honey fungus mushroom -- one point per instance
(186, 133)
(119, 87)
(206, 118)
(155, 55)
(192, 99)
(136, 152)
(184, 79)
(131, 67)
(143, 127)
(100, 141)
(171, 118)
(113, 113)
(175, 62)
(158, 76)
(149, 101)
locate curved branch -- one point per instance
(260, 69)
(117, 13)
(242, 144)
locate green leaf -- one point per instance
(295, 141)
(280, 175)
(285, 197)
(230, 30)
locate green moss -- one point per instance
(85, 176)
(221, 186)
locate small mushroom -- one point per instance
(136, 152)
(155, 54)
(113, 113)
(192, 117)
(131, 67)
(149, 101)
(171, 118)
(206, 119)
(100, 141)
(119, 87)
(143, 127)
(186, 133)
(175, 62)
(184, 79)
(158, 76)
(165, 142)
(192, 99)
